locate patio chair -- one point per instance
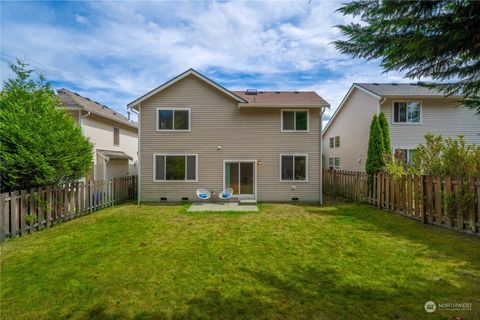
(203, 194)
(226, 194)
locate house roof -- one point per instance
(114, 155)
(259, 99)
(384, 90)
(400, 89)
(73, 100)
(134, 104)
(283, 98)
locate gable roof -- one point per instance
(167, 84)
(72, 99)
(283, 98)
(384, 90)
(401, 89)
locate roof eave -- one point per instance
(136, 103)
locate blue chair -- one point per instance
(226, 194)
(203, 194)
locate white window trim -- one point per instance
(118, 144)
(165, 167)
(404, 147)
(406, 101)
(254, 177)
(293, 154)
(295, 121)
(173, 109)
(331, 146)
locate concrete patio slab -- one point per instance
(221, 207)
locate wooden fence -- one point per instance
(439, 200)
(24, 212)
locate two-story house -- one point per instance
(114, 136)
(194, 133)
(412, 111)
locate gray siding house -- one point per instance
(412, 111)
(193, 133)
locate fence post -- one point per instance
(40, 208)
(471, 204)
(438, 200)
(3, 214)
(422, 198)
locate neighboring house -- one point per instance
(412, 110)
(196, 134)
(114, 137)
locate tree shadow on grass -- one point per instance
(368, 218)
(306, 294)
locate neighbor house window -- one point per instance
(337, 163)
(406, 112)
(293, 167)
(294, 120)
(175, 167)
(175, 119)
(337, 141)
(116, 136)
(405, 155)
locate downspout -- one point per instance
(321, 158)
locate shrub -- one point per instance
(40, 142)
(376, 150)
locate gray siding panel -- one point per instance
(242, 134)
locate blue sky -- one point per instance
(114, 52)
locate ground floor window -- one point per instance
(175, 167)
(405, 155)
(334, 163)
(293, 167)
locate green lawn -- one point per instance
(340, 261)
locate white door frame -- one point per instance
(254, 177)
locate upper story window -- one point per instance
(294, 120)
(335, 142)
(175, 167)
(406, 112)
(116, 136)
(293, 167)
(173, 119)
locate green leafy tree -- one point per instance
(437, 39)
(376, 150)
(40, 143)
(387, 145)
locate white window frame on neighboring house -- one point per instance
(173, 109)
(420, 105)
(294, 155)
(165, 167)
(332, 163)
(295, 120)
(407, 148)
(116, 144)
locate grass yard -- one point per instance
(340, 261)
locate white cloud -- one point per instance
(124, 49)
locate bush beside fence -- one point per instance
(440, 200)
(27, 211)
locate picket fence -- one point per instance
(27, 211)
(440, 200)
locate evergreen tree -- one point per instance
(40, 144)
(432, 38)
(376, 150)
(387, 145)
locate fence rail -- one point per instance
(27, 211)
(440, 200)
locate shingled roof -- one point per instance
(72, 99)
(284, 98)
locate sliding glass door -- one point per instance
(240, 176)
